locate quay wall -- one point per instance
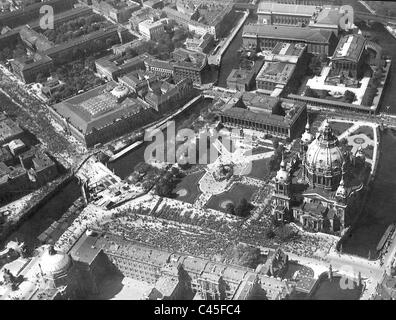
(41, 201)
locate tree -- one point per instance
(143, 167)
(246, 256)
(243, 208)
(310, 93)
(40, 78)
(176, 172)
(109, 42)
(349, 96)
(19, 52)
(230, 208)
(275, 143)
(270, 233)
(285, 232)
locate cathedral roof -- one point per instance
(323, 153)
(282, 174)
(54, 263)
(307, 136)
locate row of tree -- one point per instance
(75, 28)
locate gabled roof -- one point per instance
(350, 48)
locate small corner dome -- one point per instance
(120, 92)
(307, 137)
(282, 175)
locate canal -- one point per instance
(230, 59)
(53, 209)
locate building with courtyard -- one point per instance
(152, 30)
(159, 94)
(265, 37)
(189, 64)
(275, 75)
(114, 66)
(280, 118)
(173, 275)
(241, 79)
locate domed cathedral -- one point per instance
(321, 193)
(57, 273)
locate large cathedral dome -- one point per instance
(54, 264)
(324, 159)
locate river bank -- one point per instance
(34, 202)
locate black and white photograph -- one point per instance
(197, 153)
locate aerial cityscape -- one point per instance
(197, 150)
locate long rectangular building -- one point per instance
(175, 275)
(265, 37)
(285, 14)
(102, 114)
(264, 113)
(28, 68)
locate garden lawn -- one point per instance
(368, 131)
(340, 127)
(190, 184)
(237, 192)
(260, 169)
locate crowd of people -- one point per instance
(34, 117)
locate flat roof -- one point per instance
(276, 72)
(189, 58)
(119, 246)
(289, 49)
(328, 16)
(261, 101)
(9, 128)
(259, 109)
(87, 248)
(286, 9)
(287, 33)
(97, 108)
(240, 75)
(166, 285)
(150, 23)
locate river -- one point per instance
(388, 43)
(379, 211)
(60, 202)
